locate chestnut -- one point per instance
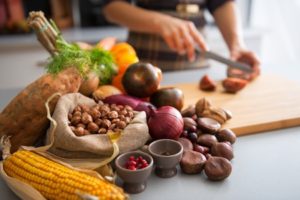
(189, 111)
(207, 140)
(186, 143)
(226, 135)
(189, 124)
(192, 162)
(222, 149)
(201, 149)
(217, 168)
(208, 125)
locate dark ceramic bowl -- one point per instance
(166, 154)
(134, 181)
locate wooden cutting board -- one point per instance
(269, 102)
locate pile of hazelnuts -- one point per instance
(99, 119)
(206, 145)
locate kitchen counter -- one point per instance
(265, 165)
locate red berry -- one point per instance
(132, 163)
(145, 165)
(132, 168)
(131, 158)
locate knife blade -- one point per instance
(233, 64)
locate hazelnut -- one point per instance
(127, 120)
(128, 108)
(81, 125)
(77, 108)
(84, 108)
(100, 103)
(121, 107)
(113, 115)
(98, 121)
(75, 120)
(115, 120)
(77, 113)
(79, 131)
(122, 117)
(121, 124)
(92, 127)
(115, 109)
(112, 126)
(104, 108)
(130, 114)
(86, 118)
(95, 113)
(102, 131)
(105, 123)
(123, 112)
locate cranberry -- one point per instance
(136, 163)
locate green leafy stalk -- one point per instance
(70, 55)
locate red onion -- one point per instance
(145, 106)
(165, 123)
(121, 99)
(135, 103)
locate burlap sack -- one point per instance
(87, 151)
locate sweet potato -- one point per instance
(25, 117)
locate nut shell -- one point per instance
(192, 162)
(217, 168)
(222, 149)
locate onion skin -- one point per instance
(165, 123)
(122, 99)
(145, 106)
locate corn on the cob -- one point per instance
(55, 181)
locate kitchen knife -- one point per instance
(233, 64)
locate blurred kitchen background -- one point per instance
(271, 29)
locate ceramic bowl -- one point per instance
(134, 181)
(166, 154)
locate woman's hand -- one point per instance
(180, 35)
(246, 56)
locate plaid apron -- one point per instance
(153, 49)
